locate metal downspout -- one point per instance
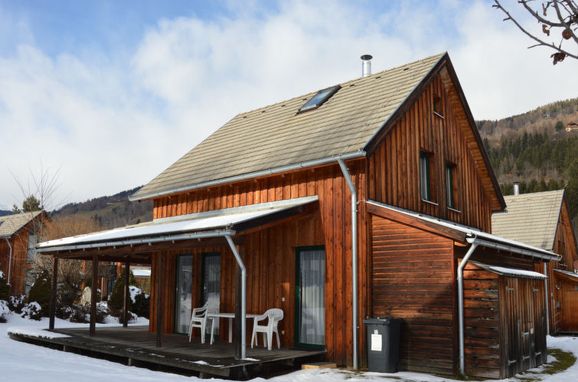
(547, 292)
(243, 295)
(351, 187)
(460, 279)
(9, 260)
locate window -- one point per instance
(32, 241)
(438, 106)
(451, 186)
(319, 99)
(425, 176)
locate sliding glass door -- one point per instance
(184, 293)
(310, 297)
(211, 292)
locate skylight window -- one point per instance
(319, 98)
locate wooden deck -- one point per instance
(135, 346)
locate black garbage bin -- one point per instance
(383, 344)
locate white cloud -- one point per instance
(111, 124)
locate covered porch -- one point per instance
(232, 258)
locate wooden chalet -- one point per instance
(18, 238)
(373, 197)
(542, 219)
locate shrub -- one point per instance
(63, 312)
(131, 317)
(81, 313)
(4, 288)
(4, 311)
(141, 305)
(116, 301)
(16, 303)
(40, 291)
(32, 311)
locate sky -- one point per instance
(101, 96)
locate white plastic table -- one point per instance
(230, 317)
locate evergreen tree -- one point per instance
(40, 291)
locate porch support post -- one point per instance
(159, 281)
(243, 302)
(93, 295)
(52, 312)
(126, 293)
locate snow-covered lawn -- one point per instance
(21, 362)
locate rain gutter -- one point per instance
(250, 175)
(354, 302)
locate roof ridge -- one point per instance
(342, 84)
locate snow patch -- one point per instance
(35, 332)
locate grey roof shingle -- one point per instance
(276, 135)
(530, 218)
(10, 224)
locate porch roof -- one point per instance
(567, 274)
(512, 272)
(209, 224)
(463, 233)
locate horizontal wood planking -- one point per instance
(482, 324)
(394, 166)
(333, 228)
(412, 279)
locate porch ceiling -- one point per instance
(136, 241)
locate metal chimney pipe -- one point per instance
(516, 188)
(366, 65)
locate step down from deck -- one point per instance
(319, 365)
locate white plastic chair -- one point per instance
(273, 316)
(199, 320)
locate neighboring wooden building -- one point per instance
(357, 200)
(542, 219)
(18, 239)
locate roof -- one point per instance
(10, 224)
(185, 227)
(513, 272)
(530, 218)
(277, 135)
(569, 274)
(471, 233)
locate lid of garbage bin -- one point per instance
(378, 320)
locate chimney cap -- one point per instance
(366, 57)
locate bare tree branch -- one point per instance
(565, 19)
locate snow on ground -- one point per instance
(22, 362)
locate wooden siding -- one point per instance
(20, 263)
(481, 323)
(394, 166)
(523, 320)
(412, 278)
(505, 323)
(333, 232)
(562, 307)
(568, 298)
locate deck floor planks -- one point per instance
(139, 344)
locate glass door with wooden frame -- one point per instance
(183, 293)
(310, 298)
(211, 284)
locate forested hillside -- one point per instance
(109, 211)
(539, 149)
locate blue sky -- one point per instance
(109, 93)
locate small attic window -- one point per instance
(319, 99)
